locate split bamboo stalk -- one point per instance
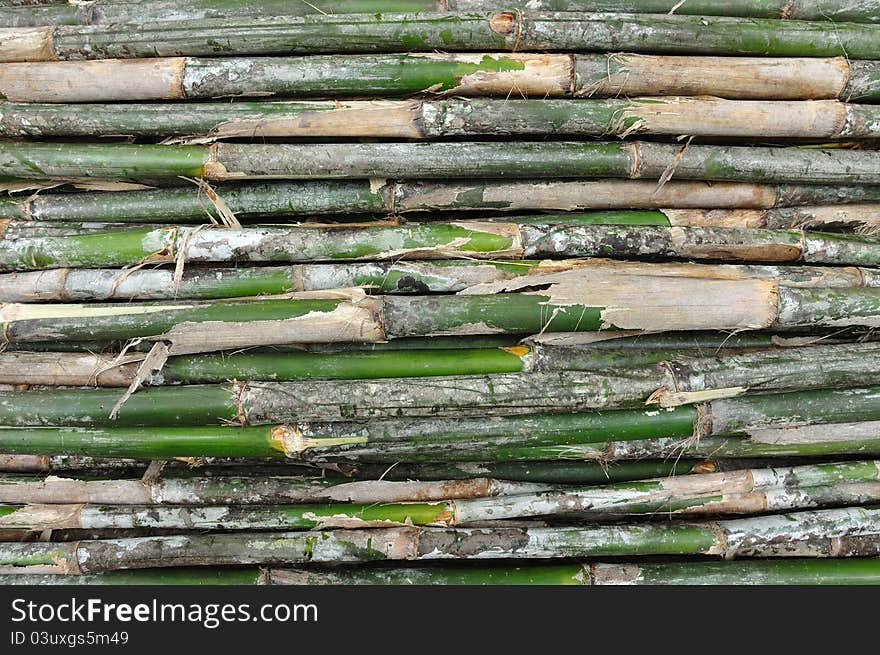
(795, 571)
(397, 277)
(100, 12)
(505, 31)
(535, 436)
(845, 532)
(444, 160)
(748, 491)
(483, 74)
(433, 119)
(669, 383)
(478, 240)
(602, 296)
(249, 490)
(735, 203)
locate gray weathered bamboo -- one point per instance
(745, 204)
(826, 533)
(443, 160)
(485, 74)
(433, 119)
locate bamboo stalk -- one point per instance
(507, 31)
(397, 277)
(632, 160)
(248, 490)
(273, 199)
(741, 492)
(482, 74)
(838, 533)
(464, 439)
(599, 297)
(852, 571)
(113, 370)
(128, 246)
(667, 384)
(432, 119)
(125, 11)
(855, 571)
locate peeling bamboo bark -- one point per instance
(508, 31)
(432, 119)
(274, 199)
(485, 74)
(538, 436)
(444, 160)
(599, 297)
(669, 383)
(129, 246)
(829, 533)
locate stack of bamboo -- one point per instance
(288, 290)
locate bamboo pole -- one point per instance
(839, 533)
(126, 11)
(445, 160)
(249, 490)
(669, 383)
(601, 296)
(278, 199)
(481, 74)
(506, 31)
(852, 571)
(741, 492)
(433, 119)
(495, 240)
(396, 277)
(535, 436)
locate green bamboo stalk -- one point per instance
(667, 384)
(123, 11)
(578, 75)
(432, 119)
(742, 492)
(202, 576)
(445, 160)
(248, 490)
(523, 31)
(277, 199)
(128, 246)
(464, 439)
(838, 532)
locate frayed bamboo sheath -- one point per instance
(500, 438)
(443, 276)
(432, 119)
(667, 384)
(484, 74)
(505, 31)
(741, 492)
(100, 12)
(476, 240)
(601, 297)
(632, 160)
(828, 533)
(736, 204)
(795, 571)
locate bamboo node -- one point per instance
(503, 23)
